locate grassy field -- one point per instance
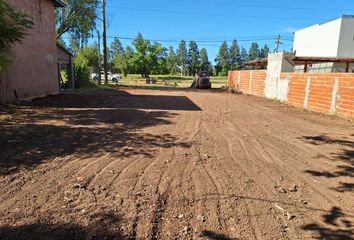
(168, 81)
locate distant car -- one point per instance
(111, 77)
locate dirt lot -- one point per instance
(173, 164)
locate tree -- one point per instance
(205, 64)
(234, 56)
(78, 18)
(193, 58)
(122, 60)
(156, 59)
(171, 61)
(244, 56)
(254, 52)
(140, 59)
(88, 56)
(222, 60)
(74, 45)
(182, 56)
(116, 47)
(264, 51)
(14, 26)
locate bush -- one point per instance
(222, 74)
(82, 77)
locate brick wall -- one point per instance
(323, 92)
(248, 82)
(320, 92)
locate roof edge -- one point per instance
(59, 3)
(65, 49)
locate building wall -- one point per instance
(346, 41)
(331, 93)
(33, 71)
(321, 40)
(275, 87)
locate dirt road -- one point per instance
(168, 164)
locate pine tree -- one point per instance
(264, 51)
(244, 56)
(254, 52)
(205, 64)
(193, 58)
(171, 61)
(235, 56)
(222, 60)
(182, 56)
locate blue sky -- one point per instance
(211, 21)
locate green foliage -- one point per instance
(78, 18)
(82, 76)
(235, 61)
(244, 55)
(254, 52)
(14, 25)
(116, 47)
(222, 59)
(205, 65)
(193, 58)
(182, 56)
(140, 58)
(88, 56)
(172, 62)
(264, 52)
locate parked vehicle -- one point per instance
(202, 80)
(111, 77)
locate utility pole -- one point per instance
(105, 60)
(277, 43)
(99, 57)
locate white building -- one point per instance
(333, 39)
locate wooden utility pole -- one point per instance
(105, 60)
(99, 57)
(277, 43)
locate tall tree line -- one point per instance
(79, 18)
(233, 57)
(145, 57)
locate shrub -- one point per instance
(82, 76)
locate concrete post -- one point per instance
(239, 80)
(333, 109)
(307, 94)
(250, 84)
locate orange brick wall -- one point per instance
(321, 90)
(315, 91)
(251, 82)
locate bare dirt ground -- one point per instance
(168, 164)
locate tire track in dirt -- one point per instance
(262, 152)
(215, 126)
(138, 211)
(289, 173)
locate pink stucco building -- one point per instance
(34, 68)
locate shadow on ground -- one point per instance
(105, 227)
(344, 155)
(118, 99)
(337, 227)
(214, 236)
(92, 123)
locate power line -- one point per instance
(262, 6)
(198, 41)
(207, 14)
